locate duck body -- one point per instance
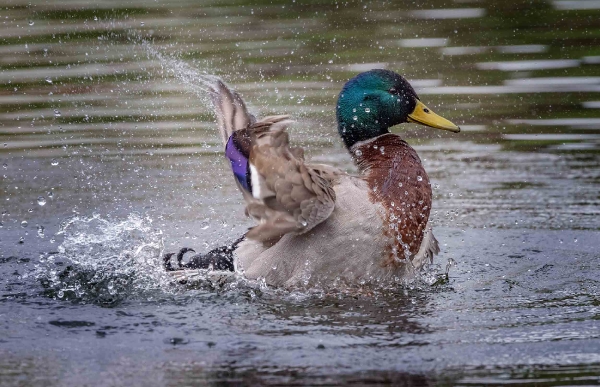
(318, 225)
(362, 241)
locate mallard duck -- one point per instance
(316, 224)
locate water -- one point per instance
(110, 157)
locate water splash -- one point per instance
(105, 261)
(199, 83)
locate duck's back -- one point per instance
(346, 248)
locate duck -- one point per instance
(318, 225)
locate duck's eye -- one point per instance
(426, 110)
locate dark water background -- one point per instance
(110, 157)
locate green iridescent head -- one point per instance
(373, 101)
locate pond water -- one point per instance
(109, 157)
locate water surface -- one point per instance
(110, 157)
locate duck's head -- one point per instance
(373, 101)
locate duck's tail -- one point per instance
(230, 109)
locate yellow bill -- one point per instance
(424, 116)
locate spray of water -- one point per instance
(198, 82)
(104, 261)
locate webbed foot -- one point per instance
(220, 258)
(167, 264)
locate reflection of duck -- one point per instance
(317, 223)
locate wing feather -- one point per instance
(281, 192)
(302, 197)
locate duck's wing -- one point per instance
(288, 196)
(282, 193)
(230, 109)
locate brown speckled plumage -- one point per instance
(399, 182)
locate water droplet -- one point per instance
(367, 110)
(4, 165)
(142, 24)
(304, 223)
(49, 80)
(575, 240)
(31, 22)
(61, 294)
(96, 18)
(111, 288)
(24, 224)
(399, 184)
(451, 262)
(57, 113)
(54, 162)
(41, 200)
(355, 118)
(419, 178)
(40, 231)
(50, 194)
(358, 152)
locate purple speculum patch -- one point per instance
(239, 164)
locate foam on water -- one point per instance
(104, 261)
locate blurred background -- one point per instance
(102, 117)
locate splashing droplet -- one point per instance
(451, 262)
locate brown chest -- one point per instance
(399, 182)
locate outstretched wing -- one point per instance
(290, 196)
(282, 193)
(230, 110)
